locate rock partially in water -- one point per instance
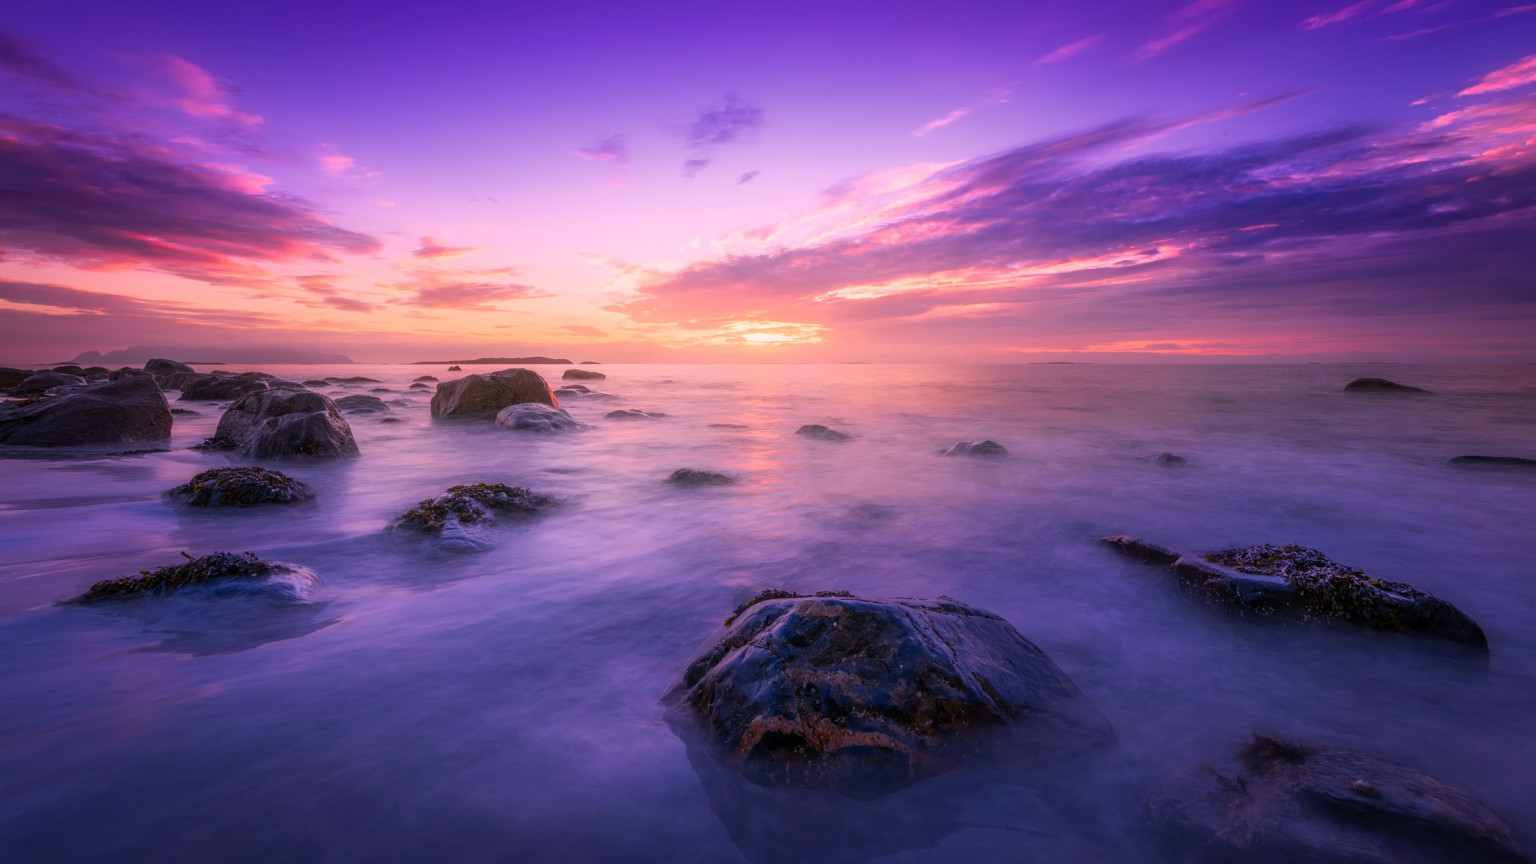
(126, 411)
(1168, 460)
(631, 414)
(1296, 582)
(158, 367)
(537, 417)
(695, 477)
(419, 386)
(361, 403)
(863, 695)
(317, 382)
(241, 487)
(1285, 801)
(10, 377)
(977, 448)
(455, 369)
(1494, 462)
(358, 379)
(574, 388)
(817, 432)
(1379, 385)
(479, 395)
(284, 423)
(69, 369)
(478, 504)
(173, 381)
(582, 375)
(41, 382)
(216, 575)
(421, 378)
(213, 388)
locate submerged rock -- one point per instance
(581, 375)
(860, 695)
(471, 504)
(537, 417)
(695, 477)
(418, 386)
(241, 487)
(126, 411)
(159, 366)
(361, 403)
(631, 414)
(978, 448)
(421, 378)
(574, 388)
(221, 573)
(1296, 582)
(317, 382)
(1494, 462)
(212, 388)
(1378, 385)
(1168, 460)
(1289, 802)
(821, 433)
(484, 395)
(284, 423)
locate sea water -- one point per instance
(503, 705)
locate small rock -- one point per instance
(537, 417)
(1168, 460)
(821, 433)
(215, 388)
(977, 448)
(1494, 461)
(581, 375)
(425, 378)
(159, 367)
(471, 504)
(418, 386)
(455, 369)
(241, 487)
(575, 388)
(695, 477)
(69, 369)
(1378, 385)
(223, 572)
(630, 414)
(316, 382)
(729, 426)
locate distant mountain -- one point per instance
(252, 354)
(490, 361)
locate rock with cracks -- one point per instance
(485, 395)
(284, 423)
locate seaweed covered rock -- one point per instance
(126, 411)
(1288, 802)
(218, 574)
(818, 432)
(471, 504)
(866, 696)
(695, 477)
(1379, 385)
(582, 375)
(159, 367)
(537, 417)
(284, 423)
(216, 388)
(484, 395)
(362, 403)
(241, 487)
(1297, 582)
(977, 448)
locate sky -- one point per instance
(771, 182)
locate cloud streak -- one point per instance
(735, 121)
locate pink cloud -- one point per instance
(1317, 22)
(199, 93)
(1070, 50)
(1517, 74)
(433, 250)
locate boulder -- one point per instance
(425, 378)
(282, 423)
(695, 477)
(10, 377)
(317, 382)
(630, 414)
(240, 487)
(1304, 584)
(178, 380)
(218, 574)
(582, 375)
(216, 388)
(1379, 385)
(361, 403)
(537, 417)
(165, 367)
(126, 411)
(1494, 462)
(863, 696)
(574, 388)
(42, 382)
(977, 448)
(69, 369)
(129, 372)
(479, 395)
(1285, 801)
(818, 432)
(471, 504)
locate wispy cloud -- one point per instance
(432, 249)
(614, 151)
(476, 290)
(1337, 16)
(19, 61)
(342, 167)
(198, 93)
(747, 177)
(1070, 50)
(1518, 74)
(736, 120)
(1200, 16)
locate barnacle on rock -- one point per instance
(471, 503)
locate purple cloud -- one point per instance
(734, 121)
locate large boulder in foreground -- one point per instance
(216, 388)
(1300, 583)
(271, 424)
(220, 574)
(1379, 385)
(484, 395)
(126, 411)
(537, 417)
(861, 695)
(1288, 802)
(241, 487)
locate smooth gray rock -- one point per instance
(42, 382)
(484, 395)
(284, 423)
(216, 388)
(819, 432)
(362, 403)
(537, 417)
(126, 411)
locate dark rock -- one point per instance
(187, 411)
(537, 417)
(582, 375)
(419, 386)
(695, 477)
(1300, 583)
(42, 382)
(589, 363)
(176, 380)
(316, 382)
(426, 378)
(1378, 385)
(219, 387)
(222, 573)
(241, 487)
(977, 448)
(130, 372)
(11, 377)
(861, 695)
(279, 423)
(361, 403)
(1289, 802)
(95, 370)
(821, 433)
(279, 384)
(1168, 460)
(629, 414)
(471, 504)
(225, 373)
(69, 369)
(390, 420)
(574, 388)
(1494, 461)
(485, 395)
(159, 367)
(455, 369)
(729, 426)
(126, 411)
(358, 379)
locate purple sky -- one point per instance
(786, 181)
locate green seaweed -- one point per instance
(241, 487)
(767, 594)
(470, 504)
(1327, 588)
(165, 580)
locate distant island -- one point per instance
(136, 355)
(487, 361)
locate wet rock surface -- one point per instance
(537, 417)
(240, 487)
(863, 696)
(977, 448)
(1380, 385)
(817, 432)
(1285, 802)
(1300, 583)
(219, 570)
(582, 375)
(471, 504)
(485, 395)
(695, 477)
(160, 366)
(126, 411)
(284, 423)
(361, 403)
(41, 382)
(212, 388)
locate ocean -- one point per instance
(503, 704)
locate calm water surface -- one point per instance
(502, 705)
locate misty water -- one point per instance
(502, 705)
